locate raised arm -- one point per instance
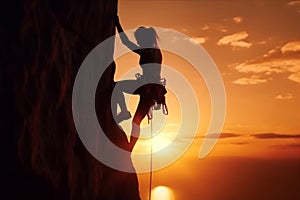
(125, 40)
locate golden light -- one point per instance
(162, 193)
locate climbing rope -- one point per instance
(151, 155)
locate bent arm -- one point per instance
(125, 40)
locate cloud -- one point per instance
(221, 136)
(274, 136)
(253, 80)
(295, 77)
(284, 96)
(205, 27)
(199, 40)
(235, 40)
(270, 53)
(184, 30)
(241, 44)
(237, 20)
(239, 143)
(282, 60)
(294, 3)
(224, 30)
(262, 42)
(270, 66)
(214, 27)
(224, 135)
(291, 47)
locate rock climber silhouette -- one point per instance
(148, 85)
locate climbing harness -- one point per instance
(156, 94)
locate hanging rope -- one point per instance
(151, 156)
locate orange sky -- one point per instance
(256, 46)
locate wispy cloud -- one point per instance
(205, 27)
(270, 53)
(240, 143)
(235, 40)
(237, 20)
(252, 80)
(274, 136)
(284, 96)
(291, 47)
(199, 40)
(217, 136)
(241, 44)
(295, 77)
(184, 30)
(214, 27)
(223, 135)
(282, 60)
(195, 40)
(270, 66)
(224, 30)
(294, 3)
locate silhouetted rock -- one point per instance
(43, 44)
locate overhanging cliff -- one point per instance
(44, 44)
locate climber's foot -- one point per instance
(123, 115)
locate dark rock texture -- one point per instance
(43, 44)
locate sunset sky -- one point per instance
(256, 47)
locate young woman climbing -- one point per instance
(148, 85)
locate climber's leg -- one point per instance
(124, 114)
(142, 110)
(128, 86)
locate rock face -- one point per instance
(43, 44)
